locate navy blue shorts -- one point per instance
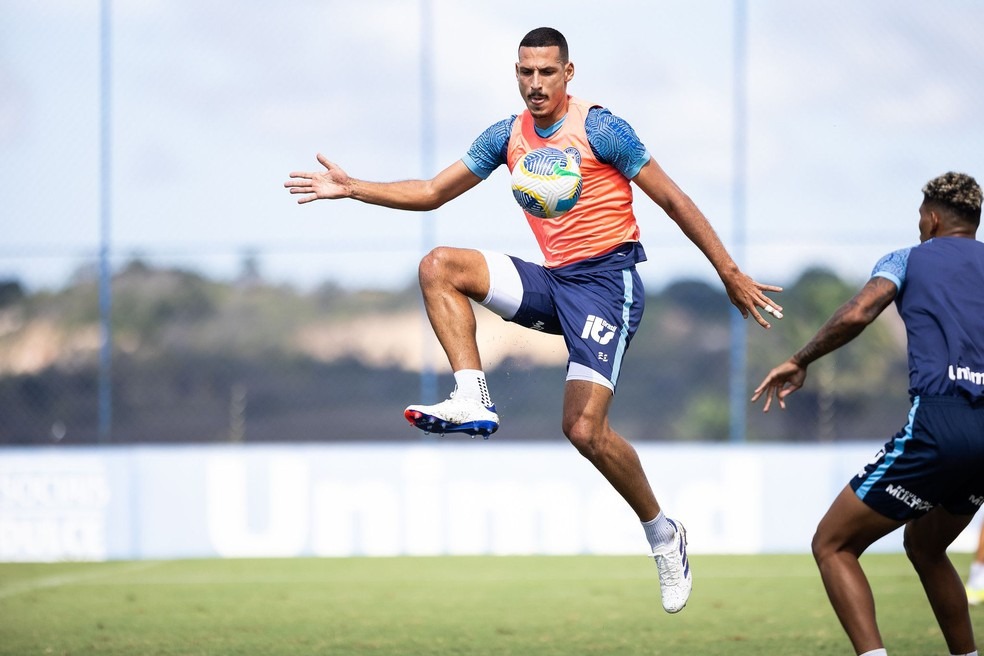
(937, 459)
(597, 312)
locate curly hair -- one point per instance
(957, 192)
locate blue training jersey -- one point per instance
(941, 301)
(612, 139)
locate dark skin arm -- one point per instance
(844, 325)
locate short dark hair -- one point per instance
(544, 37)
(956, 192)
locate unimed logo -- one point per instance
(956, 372)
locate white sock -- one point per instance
(875, 652)
(976, 579)
(470, 384)
(659, 531)
(973, 653)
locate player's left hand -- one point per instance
(748, 296)
(780, 382)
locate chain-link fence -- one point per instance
(162, 133)
(195, 359)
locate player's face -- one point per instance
(543, 79)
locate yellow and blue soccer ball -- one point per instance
(546, 182)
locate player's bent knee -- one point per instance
(919, 554)
(435, 267)
(910, 553)
(821, 547)
(433, 262)
(585, 437)
(461, 269)
(578, 436)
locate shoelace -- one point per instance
(670, 569)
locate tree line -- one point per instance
(201, 360)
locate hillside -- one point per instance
(198, 360)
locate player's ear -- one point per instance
(568, 71)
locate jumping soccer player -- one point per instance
(588, 278)
(928, 477)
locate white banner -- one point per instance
(440, 497)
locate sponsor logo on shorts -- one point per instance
(976, 500)
(965, 373)
(537, 325)
(598, 329)
(908, 498)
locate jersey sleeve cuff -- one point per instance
(634, 170)
(888, 276)
(474, 167)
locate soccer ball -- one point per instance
(546, 182)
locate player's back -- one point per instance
(942, 305)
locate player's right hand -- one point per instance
(331, 183)
(780, 382)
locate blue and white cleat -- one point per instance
(675, 580)
(454, 416)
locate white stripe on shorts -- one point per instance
(577, 371)
(505, 286)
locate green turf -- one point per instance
(527, 606)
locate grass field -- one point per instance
(741, 605)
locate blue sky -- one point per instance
(852, 107)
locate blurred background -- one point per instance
(160, 288)
(158, 284)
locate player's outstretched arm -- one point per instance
(843, 325)
(745, 293)
(333, 182)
